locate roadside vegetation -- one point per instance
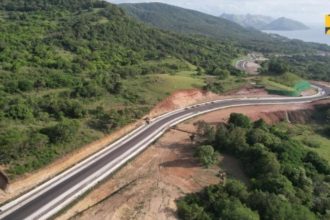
(289, 174)
(314, 67)
(309, 66)
(278, 78)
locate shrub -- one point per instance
(206, 155)
(62, 132)
(19, 110)
(25, 85)
(240, 120)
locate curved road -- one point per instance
(55, 194)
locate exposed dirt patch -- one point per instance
(182, 99)
(270, 113)
(309, 92)
(252, 92)
(164, 172)
(185, 98)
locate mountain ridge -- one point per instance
(285, 24)
(191, 22)
(262, 22)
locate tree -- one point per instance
(236, 141)
(271, 206)
(277, 67)
(260, 124)
(327, 115)
(221, 140)
(221, 73)
(191, 211)
(277, 184)
(240, 120)
(236, 189)
(319, 163)
(206, 131)
(87, 90)
(206, 155)
(260, 162)
(261, 136)
(235, 210)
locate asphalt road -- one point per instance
(45, 202)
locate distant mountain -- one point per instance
(254, 21)
(285, 24)
(262, 22)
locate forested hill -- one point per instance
(187, 21)
(72, 71)
(95, 33)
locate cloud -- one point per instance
(308, 11)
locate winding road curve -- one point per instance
(52, 196)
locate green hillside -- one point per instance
(192, 22)
(187, 21)
(72, 71)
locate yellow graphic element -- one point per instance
(327, 24)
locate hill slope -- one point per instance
(189, 22)
(186, 21)
(72, 71)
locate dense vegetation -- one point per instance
(192, 22)
(279, 78)
(70, 72)
(307, 66)
(287, 179)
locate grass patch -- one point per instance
(287, 84)
(222, 86)
(153, 88)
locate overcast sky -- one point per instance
(307, 11)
